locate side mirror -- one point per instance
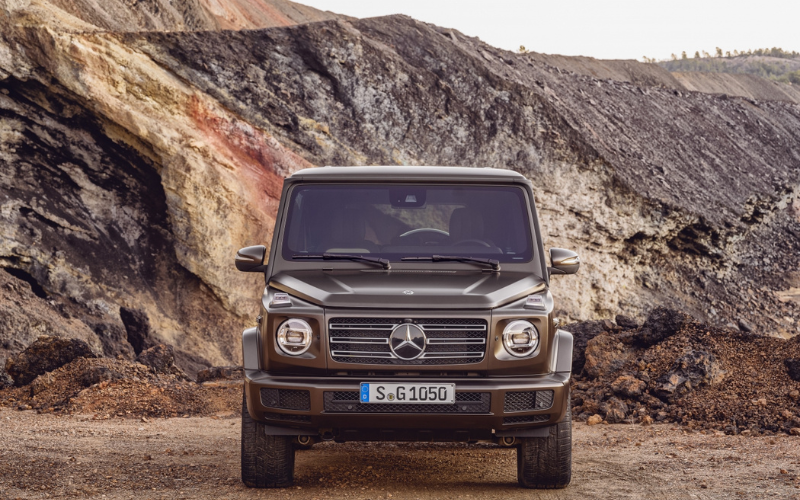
(251, 259)
(564, 261)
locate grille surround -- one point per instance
(527, 401)
(448, 341)
(286, 399)
(348, 402)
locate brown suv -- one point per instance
(406, 304)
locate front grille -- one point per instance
(287, 417)
(347, 402)
(526, 419)
(286, 399)
(528, 401)
(448, 341)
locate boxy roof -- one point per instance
(408, 174)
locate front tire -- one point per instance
(546, 463)
(267, 461)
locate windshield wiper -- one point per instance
(457, 258)
(342, 256)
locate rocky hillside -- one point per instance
(136, 163)
(751, 86)
(163, 15)
(664, 75)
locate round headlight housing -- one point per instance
(520, 338)
(294, 336)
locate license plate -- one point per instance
(408, 393)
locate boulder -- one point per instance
(594, 420)
(616, 411)
(582, 332)
(628, 386)
(793, 367)
(605, 355)
(137, 327)
(220, 373)
(159, 358)
(745, 326)
(626, 322)
(45, 355)
(694, 369)
(660, 324)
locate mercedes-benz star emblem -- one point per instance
(407, 341)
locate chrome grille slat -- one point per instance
(448, 341)
(362, 327)
(435, 355)
(358, 340)
(362, 354)
(453, 341)
(434, 328)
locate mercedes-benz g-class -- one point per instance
(406, 304)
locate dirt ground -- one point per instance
(52, 456)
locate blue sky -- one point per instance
(622, 29)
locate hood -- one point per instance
(390, 289)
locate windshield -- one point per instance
(396, 221)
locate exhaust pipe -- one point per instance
(508, 441)
(304, 440)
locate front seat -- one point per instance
(466, 224)
(347, 233)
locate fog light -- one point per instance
(520, 338)
(294, 336)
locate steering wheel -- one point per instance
(473, 241)
(424, 230)
(425, 236)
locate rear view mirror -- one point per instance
(564, 261)
(251, 259)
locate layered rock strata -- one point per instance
(135, 164)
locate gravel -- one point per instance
(76, 456)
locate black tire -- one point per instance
(267, 461)
(546, 463)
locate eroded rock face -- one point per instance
(25, 316)
(137, 327)
(632, 162)
(138, 163)
(45, 355)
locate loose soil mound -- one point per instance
(698, 376)
(109, 387)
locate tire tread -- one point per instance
(267, 461)
(546, 463)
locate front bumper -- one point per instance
(343, 423)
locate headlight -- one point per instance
(520, 338)
(294, 336)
